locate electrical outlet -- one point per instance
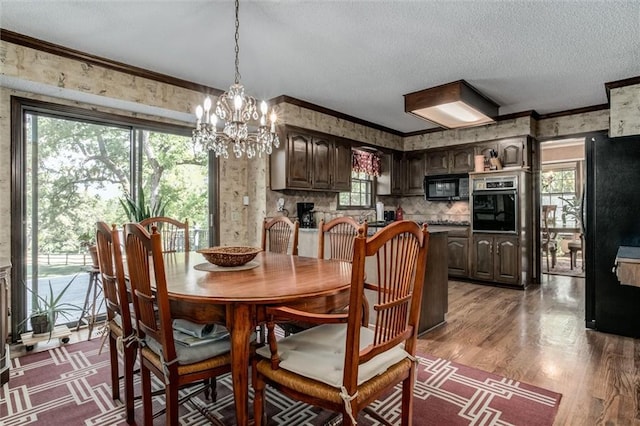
(245, 200)
(235, 217)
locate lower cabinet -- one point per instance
(458, 248)
(496, 258)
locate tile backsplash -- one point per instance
(415, 208)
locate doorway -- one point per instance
(562, 190)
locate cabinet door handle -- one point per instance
(490, 248)
(498, 249)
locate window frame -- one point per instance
(358, 179)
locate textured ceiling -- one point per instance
(360, 57)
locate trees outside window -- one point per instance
(77, 169)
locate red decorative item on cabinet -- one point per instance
(399, 213)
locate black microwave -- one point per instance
(446, 187)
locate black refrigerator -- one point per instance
(611, 214)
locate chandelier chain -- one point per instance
(237, 42)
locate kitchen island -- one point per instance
(435, 298)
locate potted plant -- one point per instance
(48, 307)
(139, 210)
(88, 242)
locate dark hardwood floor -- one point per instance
(538, 336)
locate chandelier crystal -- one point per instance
(236, 120)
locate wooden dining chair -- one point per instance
(280, 235)
(343, 365)
(119, 323)
(340, 233)
(175, 365)
(175, 234)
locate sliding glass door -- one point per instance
(74, 168)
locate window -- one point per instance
(558, 187)
(361, 195)
(74, 166)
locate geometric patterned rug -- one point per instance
(70, 385)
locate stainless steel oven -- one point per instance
(494, 204)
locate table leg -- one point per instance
(240, 328)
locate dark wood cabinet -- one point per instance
(299, 161)
(342, 171)
(437, 162)
(461, 160)
(414, 166)
(512, 152)
(5, 363)
(450, 161)
(322, 163)
(458, 248)
(311, 161)
(496, 258)
(393, 176)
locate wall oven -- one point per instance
(494, 204)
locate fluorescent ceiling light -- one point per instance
(452, 105)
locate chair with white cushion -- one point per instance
(343, 364)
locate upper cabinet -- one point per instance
(414, 166)
(448, 161)
(341, 180)
(311, 161)
(512, 152)
(402, 174)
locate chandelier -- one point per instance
(236, 120)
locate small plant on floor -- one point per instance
(46, 309)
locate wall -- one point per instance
(625, 111)
(42, 69)
(242, 224)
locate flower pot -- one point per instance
(40, 324)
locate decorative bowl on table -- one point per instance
(229, 256)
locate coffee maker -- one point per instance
(305, 215)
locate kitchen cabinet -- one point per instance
(395, 172)
(512, 152)
(311, 161)
(461, 160)
(450, 161)
(321, 160)
(5, 267)
(437, 162)
(414, 165)
(342, 171)
(458, 248)
(496, 257)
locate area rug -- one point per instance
(563, 267)
(70, 385)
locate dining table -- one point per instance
(239, 296)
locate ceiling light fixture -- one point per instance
(452, 105)
(236, 113)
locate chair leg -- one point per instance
(171, 401)
(146, 395)
(129, 367)
(259, 412)
(115, 376)
(407, 398)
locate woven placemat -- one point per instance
(210, 267)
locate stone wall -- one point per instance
(625, 111)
